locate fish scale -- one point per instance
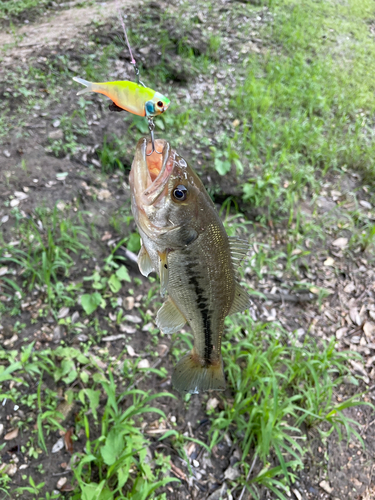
(192, 272)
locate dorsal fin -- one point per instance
(241, 300)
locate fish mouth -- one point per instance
(150, 174)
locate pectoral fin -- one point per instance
(144, 262)
(238, 249)
(241, 300)
(169, 319)
(163, 273)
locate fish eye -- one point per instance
(160, 104)
(180, 193)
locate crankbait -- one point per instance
(133, 97)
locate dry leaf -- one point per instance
(106, 236)
(59, 445)
(297, 493)
(11, 434)
(20, 195)
(132, 318)
(358, 367)
(68, 440)
(177, 472)
(369, 329)
(10, 341)
(61, 482)
(3, 270)
(212, 403)
(128, 303)
(131, 351)
(127, 329)
(65, 409)
(11, 470)
(232, 473)
(325, 486)
(189, 448)
(104, 194)
(365, 204)
(354, 316)
(340, 242)
(350, 287)
(162, 350)
(111, 338)
(341, 332)
(144, 363)
(64, 311)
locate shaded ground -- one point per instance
(328, 291)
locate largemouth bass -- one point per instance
(184, 241)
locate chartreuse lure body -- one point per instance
(129, 96)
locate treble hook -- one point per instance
(151, 127)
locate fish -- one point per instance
(130, 96)
(183, 239)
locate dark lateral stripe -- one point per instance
(205, 313)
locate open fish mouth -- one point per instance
(151, 173)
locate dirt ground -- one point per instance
(333, 470)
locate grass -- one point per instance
(291, 123)
(279, 386)
(44, 254)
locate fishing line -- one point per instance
(151, 124)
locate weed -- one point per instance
(49, 240)
(277, 385)
(109, 155)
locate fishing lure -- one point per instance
(130, 96)
(133, 97)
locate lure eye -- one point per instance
(160, 104)
(180, 193)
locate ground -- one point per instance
(284, 148)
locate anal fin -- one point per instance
(144, 262)
(241, 300)
(169, 318)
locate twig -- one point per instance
(248, 475)
(281, 297)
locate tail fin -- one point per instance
(190, 376)
(89, 85)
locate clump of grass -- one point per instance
(109, 155)
(44, 256)
(304, 109)
(119, 455)
(279, 386)
(116, 460)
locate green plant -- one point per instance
(120, 449)
(278, 385)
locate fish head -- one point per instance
(157, 105)
(165, 194)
